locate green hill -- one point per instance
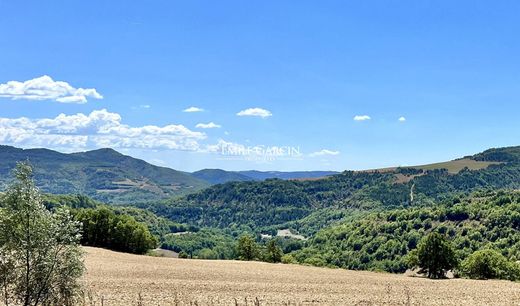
(381, 240)
(102, 174)
(275, 204)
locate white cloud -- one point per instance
(402, 119)
(100, 128)
(324, 152)
(210, 125)
(258, 112)
(361, 118)
(45, 88)
(193, 109)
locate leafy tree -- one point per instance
(247, 248)
(273, 252)
(490, 264)
(436, 255)
(103, 228)
(40, 257)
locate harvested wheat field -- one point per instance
(124, 279)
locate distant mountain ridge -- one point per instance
(103, 174)
(219, 176)
(109, 176)
(295, 175)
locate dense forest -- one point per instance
(381, 240)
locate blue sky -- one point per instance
(450, 68)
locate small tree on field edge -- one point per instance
(40, 257)
(273, 252)
(247, 248)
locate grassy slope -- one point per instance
(455, 166)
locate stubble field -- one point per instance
(123, 279)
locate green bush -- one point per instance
(289, 259)
(489, 264)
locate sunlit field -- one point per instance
(124, 279)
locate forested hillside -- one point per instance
(381, 240)
(104, 174)
(276, 203)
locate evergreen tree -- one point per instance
(273, 252)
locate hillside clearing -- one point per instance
(455, 166)
(119, 278)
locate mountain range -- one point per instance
(110, 176)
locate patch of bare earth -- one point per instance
(119, 278)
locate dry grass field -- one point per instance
(453, 167)
(119, 279)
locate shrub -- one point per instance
(289, 259)
(489, 264)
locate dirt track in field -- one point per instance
(119, 278)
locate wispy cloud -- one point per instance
(100, 128)
(402, 119)
(193, 109)
(257, 112)
(45, 88)
(210, 125)
(361, 118)
(324, 152)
